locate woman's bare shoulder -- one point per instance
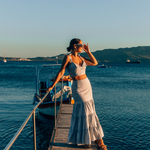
(66, 57)
(66, 60)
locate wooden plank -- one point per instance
(73, 147)
(65, 121)
(67, 108)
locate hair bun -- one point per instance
(68, 49)
(72, 42)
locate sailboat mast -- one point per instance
(4, 52)
(4, 60)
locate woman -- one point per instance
(85, 126)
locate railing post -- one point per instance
(36, 78)
(61, 91)
(55, 108)
(34, 130)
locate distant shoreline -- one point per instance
(14, 59)
(120, 55)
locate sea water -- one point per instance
(120, 92)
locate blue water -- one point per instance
(121, 95)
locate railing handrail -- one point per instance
(24, 124)
(8, 146)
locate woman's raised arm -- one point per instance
(92, 61)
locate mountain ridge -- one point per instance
(119, 55)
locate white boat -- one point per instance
(135, 62)
(102, 66)
(4, 60)
(47, 107)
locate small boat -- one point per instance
(135, 62)
(102, 66)
(47, 108)
(4, 60)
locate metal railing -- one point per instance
(34, 123)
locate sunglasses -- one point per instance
(80, 45)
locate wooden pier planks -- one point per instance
(61, 134)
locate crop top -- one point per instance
(75, 69)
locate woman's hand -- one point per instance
(92, 61)
(49, 89)
(86, 48)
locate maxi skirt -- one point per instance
(85, 126)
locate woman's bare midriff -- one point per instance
(81, 77)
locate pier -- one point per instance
(60, 133)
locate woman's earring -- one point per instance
(75, 49)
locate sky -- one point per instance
(44, 28)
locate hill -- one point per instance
(119, 55)
(53, 58)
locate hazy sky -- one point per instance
(31, 28)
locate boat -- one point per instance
(136, 62)
(102, 66)
(47, 108)
(4, 60)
